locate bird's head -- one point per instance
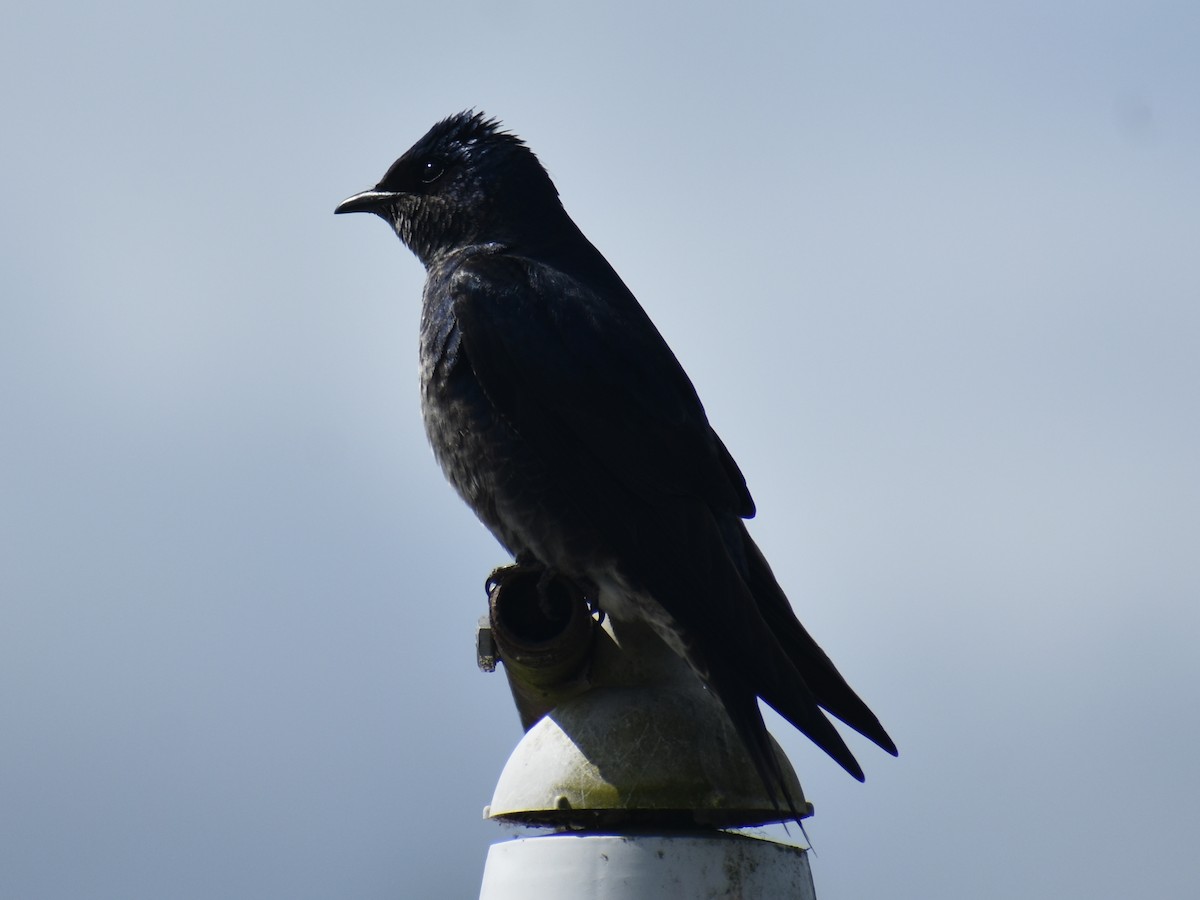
(465, 182)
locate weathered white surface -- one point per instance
(641, 867)
(638, 749)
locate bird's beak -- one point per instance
(371, 201)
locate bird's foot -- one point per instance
(548, 586)
(552, 586)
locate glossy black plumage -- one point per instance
(560, 415)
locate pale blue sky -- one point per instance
(932, 266)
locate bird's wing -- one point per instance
(576, 371)
(586, 380)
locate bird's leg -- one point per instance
(523, 559)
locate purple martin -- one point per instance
(561, 416)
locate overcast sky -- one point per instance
(933, 268)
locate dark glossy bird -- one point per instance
(563, 419)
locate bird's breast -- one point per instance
(524, 495)
(481, 455)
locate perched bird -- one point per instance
(563, 419)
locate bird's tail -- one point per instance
(744, 713)
(746, 643)
(818, 678)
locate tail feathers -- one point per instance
(744, 640)
(824, 683)
(741, 705)
(803, 713)
(831, 690)
(766, 671)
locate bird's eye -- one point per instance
(430, 171)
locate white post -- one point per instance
(646, 867)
